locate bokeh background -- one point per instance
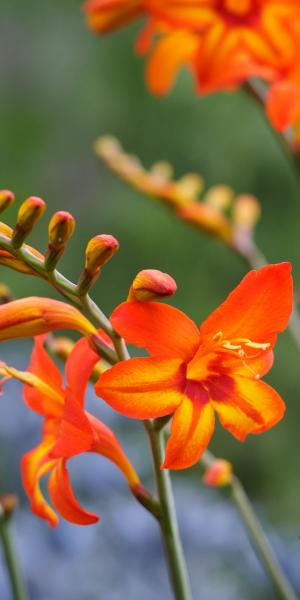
(61, 87)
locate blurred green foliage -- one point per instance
(61, 87)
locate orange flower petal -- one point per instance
(79, 367)
(162, 329)
(143, 387)
(283, 104)
(258, 308)
(171, 52)
(75, 433)
(245, 405)
(43, 367)
(107, 444)
(63, 498)
(34, 465)
(107, 15)
(192, 428)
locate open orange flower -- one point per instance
(224, 42)
(68, 430)
(192, 373)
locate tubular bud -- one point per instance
(29, 213)
(32, 316)
(8, 504)
(219, 196)
(60, 231)
(99, 251)
(7, 198)
(151, 284)
(5, 294)
(246, 212)
(219, 474)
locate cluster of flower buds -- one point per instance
(218, 211)
(18, 255)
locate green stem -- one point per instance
(168, 520)
(16, 582)
(256, 533)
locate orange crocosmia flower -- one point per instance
(68, 430)
(223, 42)
(237, 39)
(191, 372)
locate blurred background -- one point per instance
(60, 88)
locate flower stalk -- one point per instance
(256, 533)
(15, 577)
(168, 520)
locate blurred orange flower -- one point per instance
(191, 373)
(283, 103)
(224, 42)
(68, 430)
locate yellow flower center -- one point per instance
(240, 346)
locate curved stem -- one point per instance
(168, 520)
(256, 533)
(16, 582)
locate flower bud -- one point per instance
(29, 213)
(33, 316)
(246, 212)
(60, 231)
(219, 474)
(8, 504)
(219, 196)
(99, 251)
(151, 284)
(5, 294)
(189, 187)
(7, 198)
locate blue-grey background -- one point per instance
(61, 87)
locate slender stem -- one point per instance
(260, 541)
(256, 533)
(16, 582)
(257, 90)
(168, 520)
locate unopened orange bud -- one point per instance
(219, 196)
(29, 213)
(151, 284)
(189, 187)
(99, 251)
(219, 474)
(5, 293)
(61, 228)
(60, 231)
(246, 212)
(8, 504)
(161, 171)
(32, 316)
(108, 147)
(7, 198)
